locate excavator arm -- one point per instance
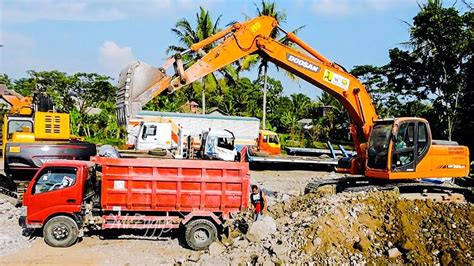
(381, 158)
(139, 83)
(19, 104)
(243, 39)
(253, 36)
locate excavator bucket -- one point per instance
(138, 84)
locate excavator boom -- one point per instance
(254, 37)
(136, 88)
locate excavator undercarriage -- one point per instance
(452, 190)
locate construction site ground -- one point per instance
(352, 228)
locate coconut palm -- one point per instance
(188, 35)
(266, 9)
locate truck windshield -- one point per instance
(273, 139)
(226, 143)
(52, 179)
(378, 146)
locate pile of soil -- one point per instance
(365, 227)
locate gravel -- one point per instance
(11, 238)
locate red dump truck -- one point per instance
(67, 198)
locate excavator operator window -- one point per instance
(422, 138)
(378, 146)
(20, 126)
(404, 147)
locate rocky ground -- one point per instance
(11, 238)
(347, 228)
(359, 228)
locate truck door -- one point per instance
(154, 135)
(54, 190)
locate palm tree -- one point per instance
(266, 9)
(188, 35)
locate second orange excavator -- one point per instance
(396, 148)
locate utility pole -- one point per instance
(264, 116)
(203, 96)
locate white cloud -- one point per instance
(113, 58)
(349, 7)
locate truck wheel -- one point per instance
(200, 234)
(60, 231)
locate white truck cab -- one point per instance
(218, 144)
(153, 135)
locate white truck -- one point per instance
(210, 136)
(245, 129)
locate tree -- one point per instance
(5, 80)
(465, 123)
(188, 35)
(266, 9)
(331, 121)
(433, 67)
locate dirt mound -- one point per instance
(353, 228)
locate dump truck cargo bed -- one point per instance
(173, 185)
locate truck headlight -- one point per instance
(23, 210)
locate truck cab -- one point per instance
(403, 148)
(268, 142)
(58, 187)
(154, 135)
(218, 144)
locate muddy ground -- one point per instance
(347, 228)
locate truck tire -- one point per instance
(200, 234)
(60, 231)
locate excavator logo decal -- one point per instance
(302, 63)
(336, 79)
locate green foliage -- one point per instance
(78, 95)
(433, 68)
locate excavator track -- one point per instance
(8, 190)
(406, 187)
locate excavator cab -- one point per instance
(403, 148)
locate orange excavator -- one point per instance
(387, 149)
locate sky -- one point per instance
(104, 35)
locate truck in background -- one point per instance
(264, 146)
(245, 129)
(68, 198)
(218, 144)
